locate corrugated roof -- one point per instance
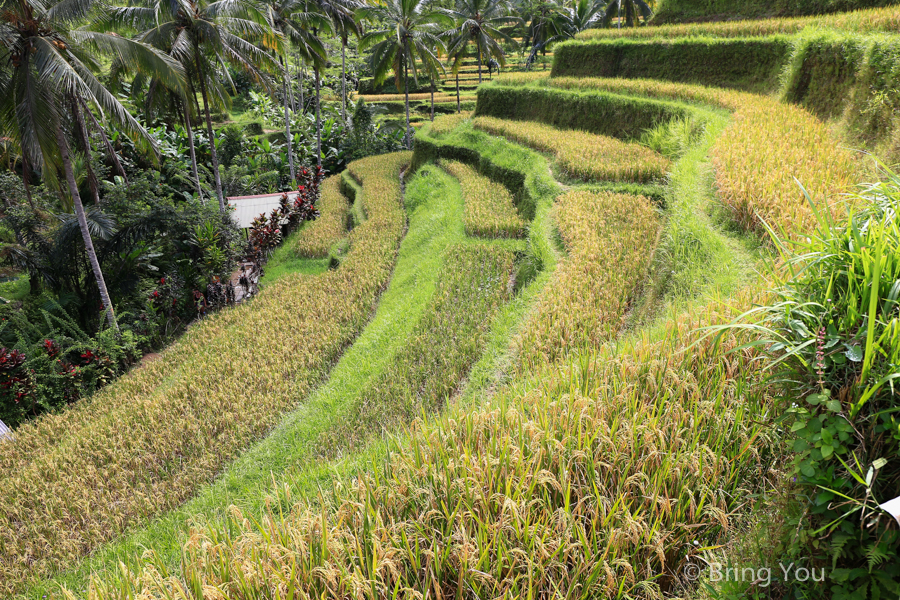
(247, 208)
(5, 431)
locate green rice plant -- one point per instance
(610, 239)
(766, 149)
(885, 19)
(490, 211)
(473, 285)
(147, 442)
(600, 480)
(581, 154)
(674, 138)
(447, 123)
(319, 236)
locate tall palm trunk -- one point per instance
(83, 225)
(25, 176)
(406, 95)
(457, 92)
(302, 76)
(290, 86)
(318, 118)
(478, 47)
(85, 143)
(212, 135)
(109, 148)
(343, 80)
(432, 100)
(287, 122)
(193, 151)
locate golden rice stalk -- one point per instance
(602, 476)
(318, 237)
(764, 152)
(489, 208)
(610, 239)
(582, 155)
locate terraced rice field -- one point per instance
(535, 408)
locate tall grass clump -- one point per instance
(610, 239)
(580, 154)
(490, 211)
(147, 442)
(832, 338)
(473, 285)
(447, 123)
(601, 480)
(759, 157)
(319, 236)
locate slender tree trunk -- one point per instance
(318, 118)
(457, 93)
(302, 77)
(212, 135)
(287, 125)
(25, 175)
(406, 95)
(190, 133)
(478, 47)
(109, 148)
(432, 100)
(85, 143)
(83, 225)
(343, 80)
(290, 87)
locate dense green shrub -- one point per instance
(823, 72)
(597, 112)
(752, 64)
(832, 332)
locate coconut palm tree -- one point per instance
(479, 22)
(205, 37)
(552, 22)
(342, 21)
(345, 23)
(293, 20)
(408, 41)
(632, 10)
(584, 14)
(547, 23)
(50, 65)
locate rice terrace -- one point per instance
(449, 299)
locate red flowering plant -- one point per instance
(16, 386)
(267, 232)
(162, 314)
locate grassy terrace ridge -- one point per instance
(766, 149)
(847, 77)
(582, 155)
(751, 64)
(148, 442)
(885, 19)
